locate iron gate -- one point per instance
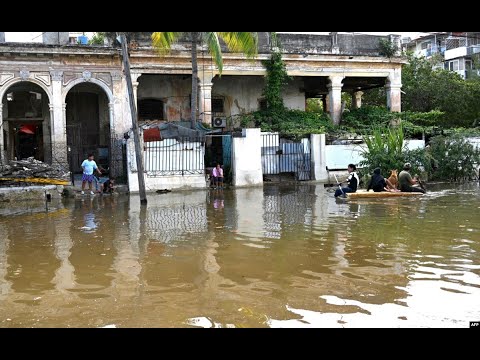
(280, 155)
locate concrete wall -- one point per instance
(173, 90)
(242, 93)
(347, 44)
(247, 158)
(29, 193)
(2, 37)
(55, 38)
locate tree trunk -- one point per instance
(194, 96)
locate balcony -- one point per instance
(462, 52)
(431, 51)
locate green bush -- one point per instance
(294, 124)
(456, 158)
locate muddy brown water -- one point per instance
(289, 256)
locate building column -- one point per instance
(335, 48)
(335, 98)
(2, 153)
(120, 121)
(394, 97)
(135, 77)
(57, 119)
(324, 103)
(317, 156)
(247, 158)
(205, 96)
(357, 99)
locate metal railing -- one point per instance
(179, 156)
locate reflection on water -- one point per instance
(288, 256)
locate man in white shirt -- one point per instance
(88, 166)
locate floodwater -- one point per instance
(289, 256)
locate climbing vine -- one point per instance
(275, 81)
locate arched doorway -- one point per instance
(88, 125)
(26, 122)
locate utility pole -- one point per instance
(133, 111)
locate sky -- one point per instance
(29, 36)
(37, 36)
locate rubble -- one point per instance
(31, 168)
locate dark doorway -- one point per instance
(28, 140)
(218, 150)
(25, 122)
(88, 126)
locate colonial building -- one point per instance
(60, 100)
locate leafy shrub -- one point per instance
(290, 123)
(455, 156)
(384, 150)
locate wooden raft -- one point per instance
(383, 194)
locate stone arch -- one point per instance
(77, 81)
(9, 83)
(102, 90)
(4, 89)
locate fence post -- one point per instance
(318, 157)
(247, 158)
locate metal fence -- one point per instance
(284, 156)
(180, 156)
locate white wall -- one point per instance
(247, 158)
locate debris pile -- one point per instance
(31, 168)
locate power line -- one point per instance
(37, 36)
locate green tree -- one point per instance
(244, 42)
(97, 39)
(427, 88)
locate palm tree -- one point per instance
(244, 42)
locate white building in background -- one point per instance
(461, 48)
(457, 50)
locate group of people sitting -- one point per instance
(378, 183)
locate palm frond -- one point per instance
(244, 42)
(213, 44)
(163, 41)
